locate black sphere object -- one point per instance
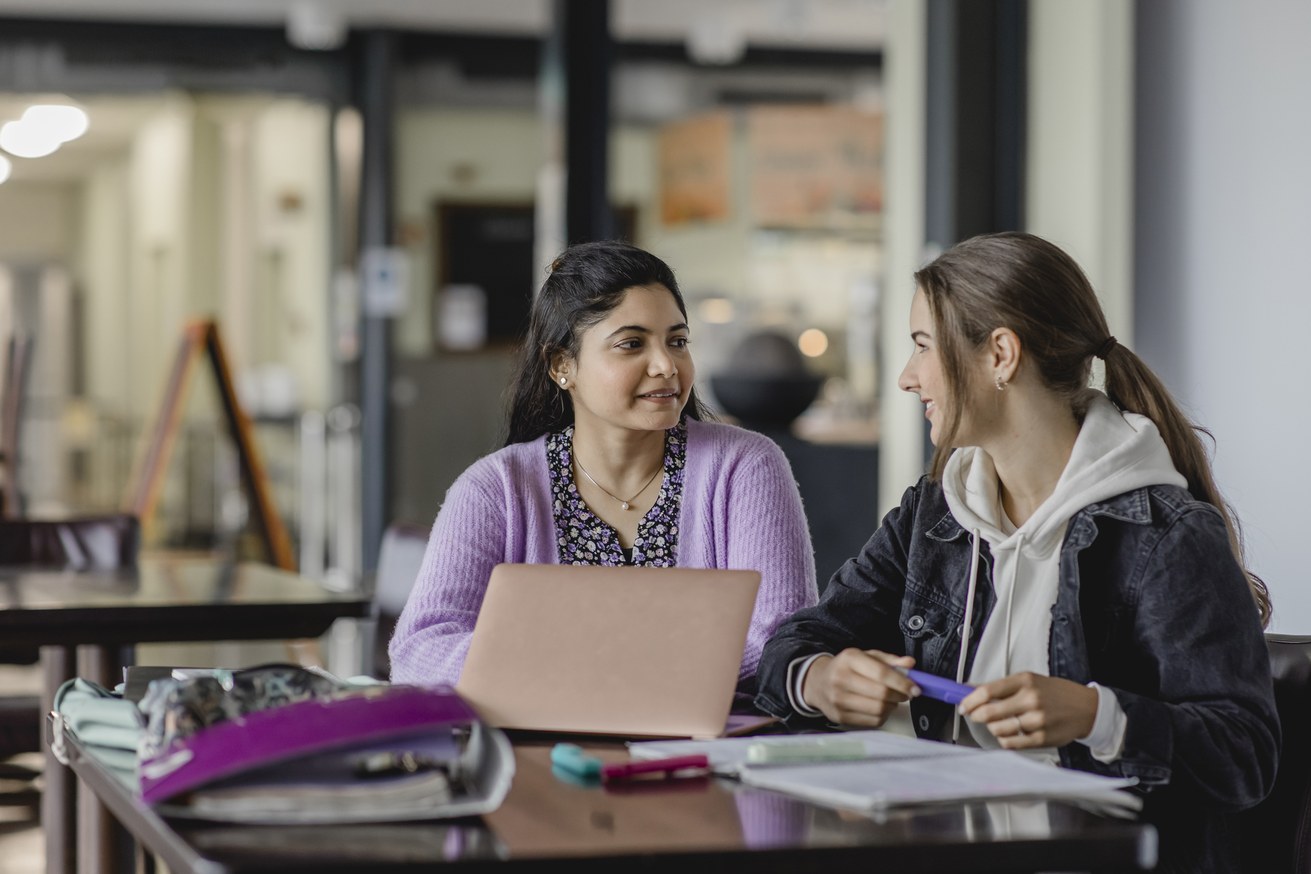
(766, 383)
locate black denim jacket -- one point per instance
(1151, 604)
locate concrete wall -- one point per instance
(37, 221)
(1222, 303)
(901, 418)
(1079, 174)
(102, 266)
(291, 173)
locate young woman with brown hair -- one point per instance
(1069, 555)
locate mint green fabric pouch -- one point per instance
(107, 724)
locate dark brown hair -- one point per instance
(1024, 283)
(586, 282)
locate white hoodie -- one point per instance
(1114, 453)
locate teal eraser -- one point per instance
(571, 758)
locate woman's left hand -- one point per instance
(1027, 711)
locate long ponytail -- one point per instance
(1132, 386)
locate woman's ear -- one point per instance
(1004, 354)
(560, 367)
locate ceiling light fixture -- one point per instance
(27, 141)
(316, 26)
(715, 37)
(60, 121)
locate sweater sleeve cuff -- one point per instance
(1106, 740)
(796, 679)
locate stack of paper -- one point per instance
(902, 771)
(729, 755)
(994, 774)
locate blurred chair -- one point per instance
(399, 560)
(1276, 834)
(87, 543)
(92, 543)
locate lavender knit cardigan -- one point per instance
(740, 509)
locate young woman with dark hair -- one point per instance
(609, 461)
(1069, 555)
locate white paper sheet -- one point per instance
(900, 771)
(874, 784)
(728, 755)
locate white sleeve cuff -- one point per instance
(1106, 740)
(796, 678)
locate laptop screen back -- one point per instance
(628, 650)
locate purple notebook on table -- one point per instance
(292, 732)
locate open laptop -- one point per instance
(634, 651)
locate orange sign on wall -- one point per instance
(814, 165)
(694, 169)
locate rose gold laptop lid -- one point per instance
(630, 650)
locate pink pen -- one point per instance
(626, 770)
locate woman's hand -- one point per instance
(1027, 711)
(858, 687)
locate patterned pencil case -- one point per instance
(282, 745)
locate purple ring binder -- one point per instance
(307, 727)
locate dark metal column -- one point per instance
(59, 797)
(975, 139)
(102, 842)
(586, 55)
(374, 80)
(977, 58)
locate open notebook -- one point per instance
(632, 651)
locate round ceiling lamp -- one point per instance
(27, 141)
(57, 120)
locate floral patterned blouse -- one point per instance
(581, 536)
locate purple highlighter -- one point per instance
(939, 688)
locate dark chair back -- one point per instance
(87, 543)
(1276, 834)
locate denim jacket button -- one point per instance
(924, 723)
(915, 623)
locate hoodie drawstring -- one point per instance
(1010, 605)
(969, 615)
(966, 625)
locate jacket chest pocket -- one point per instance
(931, 629)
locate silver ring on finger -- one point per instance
(1019, 726)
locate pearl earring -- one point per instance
(563, 380)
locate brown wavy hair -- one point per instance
(1024, 283)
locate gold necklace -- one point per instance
(622, 503)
